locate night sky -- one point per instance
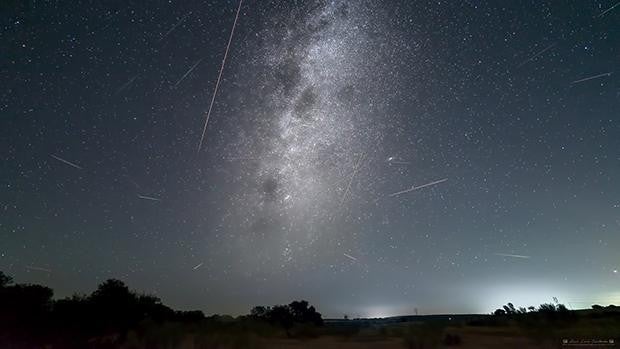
(370, 157)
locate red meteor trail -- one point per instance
(219, 77)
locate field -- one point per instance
(486, 332)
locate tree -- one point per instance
(5, 280)
(112, 290)
(114, 307)
(259, 312)
(151, 307)
(286, 316)
(281, 315)
(303, 313)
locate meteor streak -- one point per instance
(175, 26)
(609, 9)
(393, 160)
(144, 197)
(219, 77)
(66, 162)
(512, 255)
(418, 187)
(188, 72)
(350, 257)
(591, 78)
(536, 55)
(357, 166)
(38, 269)
(127, 84)
(198, 266)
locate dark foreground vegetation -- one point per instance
(113, 316)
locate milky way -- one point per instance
(320, 123)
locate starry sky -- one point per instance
(372, 157)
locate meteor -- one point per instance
(393, 160)
(175, 26)
(219, 77)
(198, 266)
(188, 72)
(144, 197)
(609, 9)
(418, 187)
(38, 269)
(350, 257)
(536, 55)
(357, 166)
(66, 161)
(127, 84)
(591, 78)
(512, 255)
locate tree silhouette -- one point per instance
(286, 316)
(304, 313)
(30, 318)
(281, 315)
(114, 306)
(5, 280)
(259, 312)
(24, 313)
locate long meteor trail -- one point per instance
(418, 187)
(350, 257)
(219, 77)
(591, 78)
(66, 162)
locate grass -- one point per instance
(509, 333)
